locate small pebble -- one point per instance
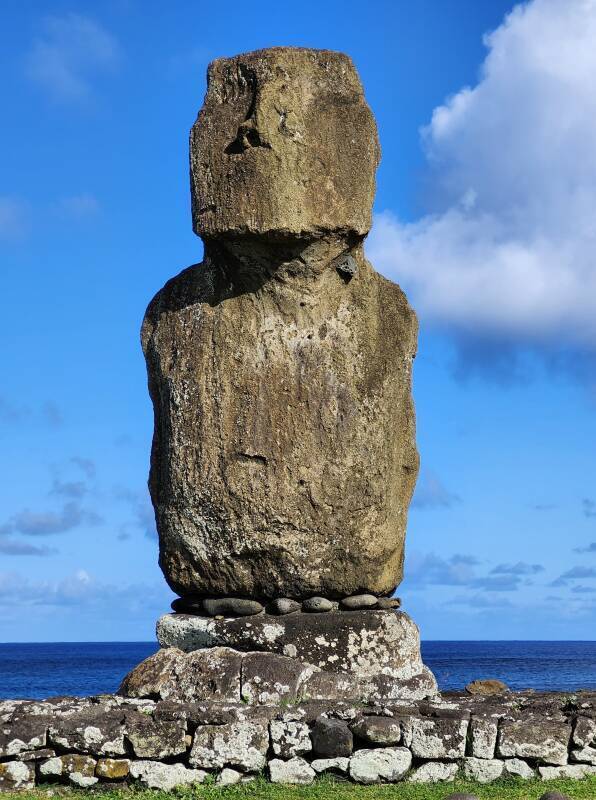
(188, 605)
(228, 777)
(317, 605)
(387, 603)
(554, 796)
(231, 607)
(357, 601)
(283, 605)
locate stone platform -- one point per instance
(362, 643)
(364, 656)
(162, 744)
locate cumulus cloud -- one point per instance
(431, 493)
(521, 568)
(575, 573)
(12, 547)
(461, 570)
(70, 50)
(506, 250)
(74, 489)
(142, 509)
(48, 523)
(80, 590)
(589, 508)
(591, 548)
(458, 570)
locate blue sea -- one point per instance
(44, 670)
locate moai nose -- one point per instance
(248, 135)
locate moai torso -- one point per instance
(283, 457)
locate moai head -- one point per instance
(284, 145)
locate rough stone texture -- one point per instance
(554, 796)
(268, 678)
(317, 605)
(228, 777)
(240, 737)
(535, 737)
(332, 738)
(382, 764)
(386, 603)
(285, 144)
(284, 605)
(242, 745)
(338, 765)
(296, 770)
(586, 755)
(16, 775)
(209, 674)
(358, 643)
(52, 768)
(112, 769)
(284, 457)
(89, 730)
(584, 732)
(358, 601)
(82, 781)
(289, 739)
(231, 607)
(387, 687)
(482, 736)
(155, 739)
(487, 687)
(259, 678)
(574, 771)
(482, 770)
(25, 733)
(434, 772)
(519, 769)
(436, 738)
(378, 730)
(156, 775)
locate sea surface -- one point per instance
(44, 670)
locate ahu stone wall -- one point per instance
(165, 743)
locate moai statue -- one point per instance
(284, 455)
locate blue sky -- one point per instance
(484, 213)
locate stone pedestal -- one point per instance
(359, 656)
(359, 643)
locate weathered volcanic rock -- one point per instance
(369, 644)
(283, 457)
(285, 144)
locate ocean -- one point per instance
(37, 671)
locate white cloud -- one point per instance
(432, 493)
(70, 50)
(13, 222)
(80, 590)
(508, 248)
(78, 206)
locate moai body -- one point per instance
(284, 455)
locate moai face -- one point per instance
(284, 145)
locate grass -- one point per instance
(329, 789)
